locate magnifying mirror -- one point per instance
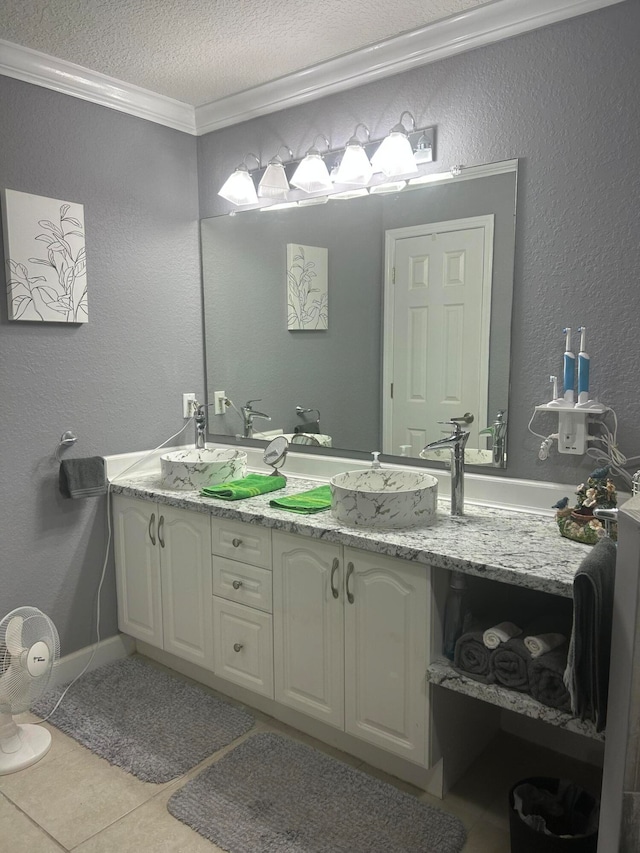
(275, 453)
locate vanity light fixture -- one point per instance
(394, 156)
(399, 156)
(239, 187)
(274, 183)
(355, 167)
(312, 174)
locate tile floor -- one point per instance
(72, 800)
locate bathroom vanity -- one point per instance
(333, 629)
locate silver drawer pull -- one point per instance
(236, 543)
(237, 647)
(236, 584)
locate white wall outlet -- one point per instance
(188, 401)
(219, 407)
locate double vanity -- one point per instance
(331, 627)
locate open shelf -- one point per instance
(441, 672)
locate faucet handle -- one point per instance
(247, 405)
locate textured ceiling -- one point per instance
(198, 51)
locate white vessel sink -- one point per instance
(195, 469)
(383, 498)
(322, 438)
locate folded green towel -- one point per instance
(248, 487)
(315, 500)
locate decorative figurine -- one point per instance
(578, 522)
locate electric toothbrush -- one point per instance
(583, 369)
(569, 362)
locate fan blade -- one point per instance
(15, 685)
(13, 636)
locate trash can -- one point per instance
(549, 815)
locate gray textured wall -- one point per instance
(563, 100)
(117, 381)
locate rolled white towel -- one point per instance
(540, 644)
(500, 633)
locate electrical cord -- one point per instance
(104, 567)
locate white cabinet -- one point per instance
(241, 604)
(351, 641)
(163, 577)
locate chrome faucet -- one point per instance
(200, 418)
(498, 433)
(248, 416)
(456, 442)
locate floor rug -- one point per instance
(272, 794)
(143, 719)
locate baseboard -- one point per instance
(110, 649)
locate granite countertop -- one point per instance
(509, 546)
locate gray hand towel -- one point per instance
(546, 679)
(471, 656)
(510, 664)
(82, 478)
(587, 674)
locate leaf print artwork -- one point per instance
(45, 257)
(307, 287)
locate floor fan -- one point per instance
(29, 649)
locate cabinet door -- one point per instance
(308, 626)
(243, 645)
(386, 641)
(185, 560)
(135, 528)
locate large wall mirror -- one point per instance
(417, 311)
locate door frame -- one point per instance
(391, 237)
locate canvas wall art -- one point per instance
(44, 248)
(307, 287)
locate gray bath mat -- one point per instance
(272, 794)
(144, 720)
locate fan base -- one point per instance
(23, 749)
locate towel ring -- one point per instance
(67, 439)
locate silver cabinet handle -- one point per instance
(236, 543)
(334, 569)
(152, 528)
(350, 597)
(161, 531)
(236, 584)
(237, 647)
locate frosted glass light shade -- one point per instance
(394, 156)
(239, 188)
(312, 175)
(355, 167)
(274, 183)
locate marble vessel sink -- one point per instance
(383, 498)
(194, 469)
(322, 438)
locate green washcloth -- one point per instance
(248, 487)
(315, 500)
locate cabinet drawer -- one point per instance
(245, 584)
(249, 543)
(243, 645)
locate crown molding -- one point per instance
(31, 66)
(474, 28)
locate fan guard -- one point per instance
(29, 649)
